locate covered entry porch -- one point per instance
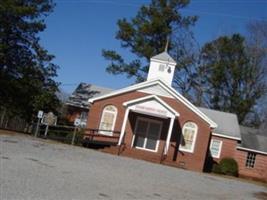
(147, 127)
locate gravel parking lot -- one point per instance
(38, 169)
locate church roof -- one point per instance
(83, 92)
(227, 122)
(252, 139)
(164, 56)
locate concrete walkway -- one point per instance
(39, 169)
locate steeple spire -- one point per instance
(167, 44)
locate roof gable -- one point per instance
(156, 90)
(168, 89)
(164, 56)
(152, 102)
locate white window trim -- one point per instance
(113, 123)
(252, 150)
(249, 167)
(220, 147)
(194, 139)
(158, 140)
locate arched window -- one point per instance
(108, 120)
(188, 138)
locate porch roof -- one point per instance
(149, 98)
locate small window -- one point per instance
(108, 119)
(215, 148)
(161, 68)
(188, 138)
(250, 162)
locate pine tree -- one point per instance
(146, 35)
(229, 77)
(26, 70)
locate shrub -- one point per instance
(228, 166)
(216, 168)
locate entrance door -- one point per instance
(147, 133)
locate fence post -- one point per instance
(73, 136)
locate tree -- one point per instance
(146, 35)
(230, 78)
(186, 53)
(257, 47)
(26, 70)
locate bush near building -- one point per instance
(227, 166)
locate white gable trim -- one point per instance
(226, 136)
(163, 61)
(127, 89)
(252, 150)
(167, 88)
(134, 101)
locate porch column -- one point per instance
(123, 125)
(169, 136)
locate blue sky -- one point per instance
(78, 30)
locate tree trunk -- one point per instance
(6, 123)
(3, 113)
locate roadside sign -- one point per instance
(40, 114)
(77, 122)
(49, 119)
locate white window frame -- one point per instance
(254, 160)
(145, 140)
(220, 148)
(194, 138)
(110, 133)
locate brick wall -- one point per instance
(193, 161)
(259, 172)
(228, 147)
(74, 112)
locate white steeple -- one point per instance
(162, 66)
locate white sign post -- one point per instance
(49, 119)
(39, 116)
(77, 123)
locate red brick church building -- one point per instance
(152, 121)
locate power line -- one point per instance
(185, 9)
(223, 15)
(100, 2)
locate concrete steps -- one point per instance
(139, 154)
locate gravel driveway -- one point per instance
(39, 169)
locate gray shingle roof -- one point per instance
(83, 92)
(252, 139)
(164, 56)
(227, 122)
